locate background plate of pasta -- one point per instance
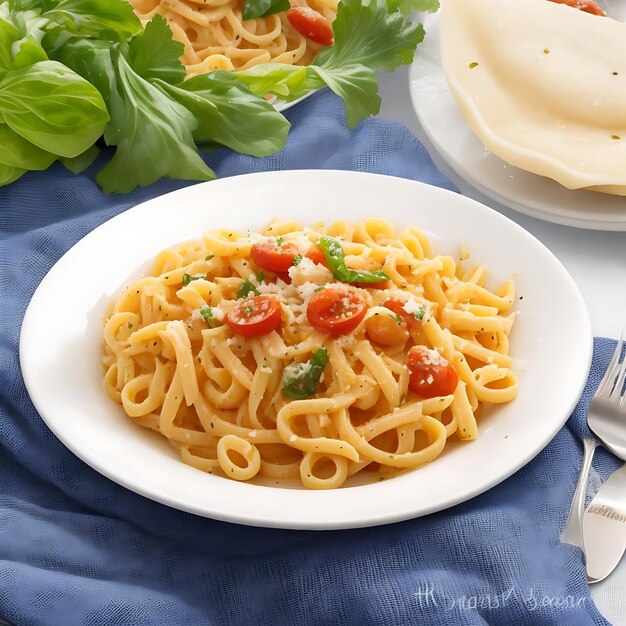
(248, 352)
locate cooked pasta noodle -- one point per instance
(217, 38)
(271, 385)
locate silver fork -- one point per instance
(606, 418)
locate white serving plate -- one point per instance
(446, 129)
(61, 344)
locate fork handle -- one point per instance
(573, 531)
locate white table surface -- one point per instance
(596, 261)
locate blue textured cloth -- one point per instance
(76, 548)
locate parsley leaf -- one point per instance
(209, 257)
(154, 54)
(246, 288)
(260, 277)
(187, 278)
(297, 260)
(146, 122)
(229, 114)
(419, 315)
(369, 35)
(208, 316)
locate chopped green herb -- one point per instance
(473, 64)
(395, 318)
(319, 289)
(615, 137)
(279, 242)
(260, 277)
(246, 288)
(208, 316)
(209, 257)
(297, 260)
(130, 325)
(419, 315)
(300, 380)
(187, 278)
(546, 51)
(615, 73)
(248, 310)
(335, 258)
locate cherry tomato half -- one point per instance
(387, 330)
(255, 316)
(398, 308)
(274, 255)
(316, 254)
(336, 311)
(430, 374)
(588, 6)
(311, 24)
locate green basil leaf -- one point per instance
(153, 135)
(53, 107)
(22, 31)
(81, 162)
(335, 258)
(301, 379)
(9, 174)
(89, 58)
(263, 8)
(153, 54)
(106, 19)
(229, 114)
(15, 151)
(6, 57)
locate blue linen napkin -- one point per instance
(76, 548)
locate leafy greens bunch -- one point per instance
(72, 71)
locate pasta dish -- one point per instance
(311, 353)
(217, 37)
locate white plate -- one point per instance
(446, 129)
(62, 337)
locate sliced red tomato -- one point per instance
(430, 374)
(398, 308)
(336, 311)
(311, 24)
(255, 316)
(588, 6)
(274, 255)
(316, 254)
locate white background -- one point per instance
(596, 261)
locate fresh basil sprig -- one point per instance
(335, 257)
(301, 379)
(263, 8)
